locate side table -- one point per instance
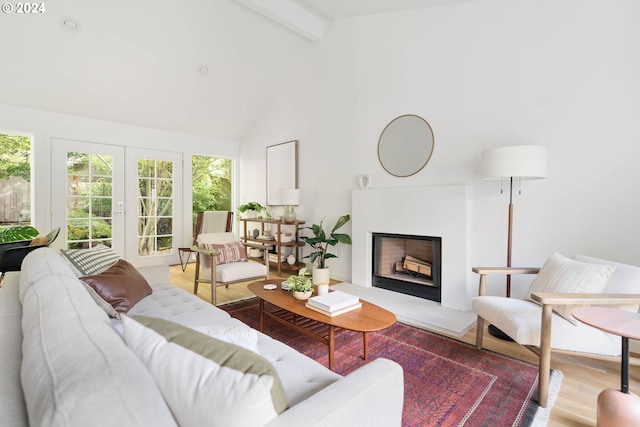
(616, 408)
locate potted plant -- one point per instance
(320, 243)
(300, 285)
(251, 209)
(17, 233)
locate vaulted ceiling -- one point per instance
(206, 67)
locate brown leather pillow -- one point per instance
(121, 285)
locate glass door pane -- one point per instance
(155, 226)
(88, 187)
(155, 207)
(89, 199)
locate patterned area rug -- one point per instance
(447, 382)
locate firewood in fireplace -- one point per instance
(412, 265)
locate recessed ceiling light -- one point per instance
(69, 24)
(203, 70)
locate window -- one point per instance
(211, 184)
(15, 179)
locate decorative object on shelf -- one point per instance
(291, 259)
(290, 197)
(405, 145)
(251, 209)
(522, 162)
(364, 182)
(300, 285)
(282, 170)
(255, 233)
(320, 243)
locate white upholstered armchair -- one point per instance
(221, 259)
(543, 322)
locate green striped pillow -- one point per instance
(92, 261)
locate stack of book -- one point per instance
(274, 257)
(334, 303)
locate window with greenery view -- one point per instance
(211, 184)
(89, 199)
(155, 207)
(15, 180)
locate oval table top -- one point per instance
(368, 318)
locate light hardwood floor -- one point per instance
(583, 378)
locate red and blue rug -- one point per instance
(447, 382)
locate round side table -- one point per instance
(616, 408)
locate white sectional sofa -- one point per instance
(64, 362)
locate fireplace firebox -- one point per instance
(408, 264)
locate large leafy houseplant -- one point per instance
(321, 241)
(17, 233)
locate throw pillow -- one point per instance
(121, 286)
(38, 241)
(108, 308)
(227, 253)
(205, 381)
(560, 274)
(238, 335)
(90, 261)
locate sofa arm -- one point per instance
(372, 395)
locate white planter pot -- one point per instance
(250, 214)
(321, 278)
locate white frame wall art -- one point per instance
(282, 170)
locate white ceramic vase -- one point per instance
(321, 278)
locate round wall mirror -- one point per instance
(405, 145)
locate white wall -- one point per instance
(45, 126)
(563, 74)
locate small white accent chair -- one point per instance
(229, 272)
(529, 322)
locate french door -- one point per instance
(154, 198)
(126, 198)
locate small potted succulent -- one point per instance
(300, 285)
(251, 209)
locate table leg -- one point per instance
(331, 346)
(365, 342)
(261, 315)
(624, 369)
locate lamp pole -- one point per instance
(509, 235)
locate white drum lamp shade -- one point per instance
(518, 161)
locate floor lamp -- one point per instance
(519, 162)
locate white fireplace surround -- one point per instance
(439, 211)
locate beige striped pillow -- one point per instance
(560, 274)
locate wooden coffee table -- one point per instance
(292, 312)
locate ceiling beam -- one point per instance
(290, 15)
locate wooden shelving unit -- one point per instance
(281, 226)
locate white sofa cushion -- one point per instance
(75, 367)
(175, 304)
(12, 406)
(520, 319)
(238, 335)
(206, 381)
(624, 280)
(560, 274)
